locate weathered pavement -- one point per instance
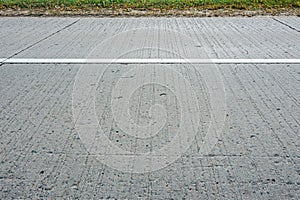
(256, 154)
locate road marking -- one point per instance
(145, 61)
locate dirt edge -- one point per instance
(149, 13)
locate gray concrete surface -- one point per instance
(256, 156)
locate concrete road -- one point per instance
(150, 131)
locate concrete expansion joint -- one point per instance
(39, 41)
(285, 24)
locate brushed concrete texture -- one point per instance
(256, 156)
(260, 37)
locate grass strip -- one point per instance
(150, 4)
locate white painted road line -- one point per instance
(146, 61)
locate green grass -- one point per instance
(150, 4)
